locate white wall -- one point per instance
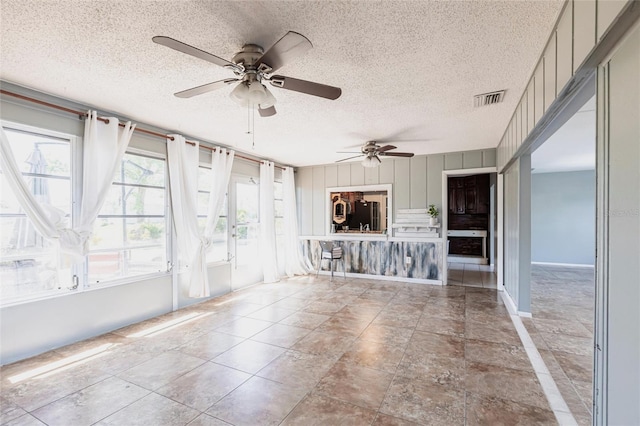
(563, 217)
(417, 182)
(618, 235)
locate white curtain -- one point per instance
(295, 262)
(104, 146)
(267, 223)
(183, 161)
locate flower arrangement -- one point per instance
(433, 211)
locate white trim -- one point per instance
(556, 402)
(525, 314)
(569, 265)
(337, 274)
(445, 221)
(500, 239)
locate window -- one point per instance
(129, 236)
(218, 251)
(29, 264)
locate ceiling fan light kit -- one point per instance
(371, 161)
(252, 66)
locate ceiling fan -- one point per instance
(251, 67)
(372, 153)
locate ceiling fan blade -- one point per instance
(267, 112)
(386, 148)
(304, 86)
(205, 88)
(193, 51)
(396, 154)
(349, 158)
(288, 47)
(348, 152)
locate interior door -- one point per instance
(244, 198)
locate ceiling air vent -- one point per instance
(488, 98)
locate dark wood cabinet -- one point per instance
(469, 195)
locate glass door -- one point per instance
(243, 231)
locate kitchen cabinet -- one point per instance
(469, 194)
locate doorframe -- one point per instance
(445, 218)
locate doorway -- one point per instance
(244, 214)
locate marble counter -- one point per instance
(384, 258)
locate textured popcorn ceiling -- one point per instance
(408, 69)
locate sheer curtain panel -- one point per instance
(295, 262)
(183, 160)
(104, 146)
(267, 223)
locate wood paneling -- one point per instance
(607, 11)
(550, 72)
(385, 174)
(489, 158)
(304, 181)
(539, 91)
(344, 174)
(371, 175)
(564, 34)
(531, 108)
(584, 30)
(453, 161)
(319, 202)
(435, 165)
(402, 179)
(357, 174)
(472, 159)
(418, 182)
(331, 176)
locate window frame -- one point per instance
(84, 278)
(75, 173)
(227, 259)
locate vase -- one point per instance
(433, 221)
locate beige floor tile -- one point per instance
(318, 410)
(356, 385)
(9, 411)
(161, 370)
(374, 355)
(395, 336)
(244, 327)
(298, 368)
(210, 345)
(153, 409)
(281, 335)
(482, 410)
(505, 383)
(500, 354)
(441, 326)
(257, 402)
(24, 420)
(207, 420)
(419, 402)
(204, 386)
(434, 370)
(91, 404)
(305, 320)
(249, 356)
(322, 342)
(271, 313)
(384, 420)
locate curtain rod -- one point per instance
(82, 115)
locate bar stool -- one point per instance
(332, 251)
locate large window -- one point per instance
(218, 251)
(129, 237)
(29, 264)
(278, 195)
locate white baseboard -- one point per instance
(569, 265)
(453, 258)
(511, 306)
(338, 274)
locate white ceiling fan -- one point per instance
(252, 66)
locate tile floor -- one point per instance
(561, 326)
(471, 275)
(304, 351)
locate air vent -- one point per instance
(488, 98)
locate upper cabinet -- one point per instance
(469, 194)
